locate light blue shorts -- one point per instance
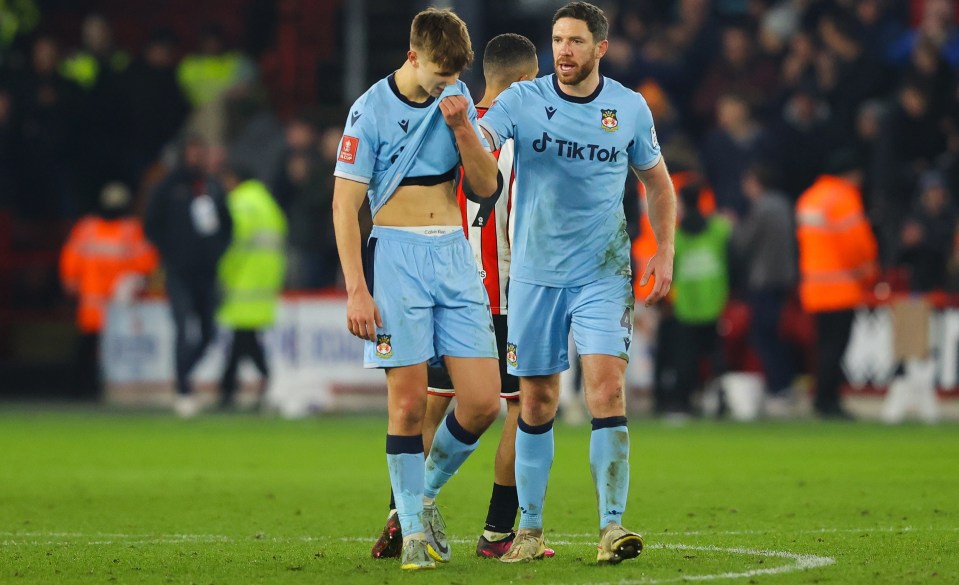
(600, 315)
(430, 297)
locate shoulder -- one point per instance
(372, 97)
(521, 89)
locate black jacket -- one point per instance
(189, 223)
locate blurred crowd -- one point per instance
(750, 97)
(76, 119)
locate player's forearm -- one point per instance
(346, 227)
(662, 212)
(479, 165)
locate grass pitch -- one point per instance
(89, 497)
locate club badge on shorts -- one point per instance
(383, 347)
(610, 123)
(511, 354)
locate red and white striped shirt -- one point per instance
(489, 229)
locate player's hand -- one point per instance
(362, 315)
(455, 110)
(660, 267)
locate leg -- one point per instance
(436, 407)
(539, 400)
(477, 405)
(438, 398)
(181, 306)
(258, 356)
(598, 310)
(404, 443)
(228, 379)
(609, 455)
(832, 335)
(504, 470)
(609, 441)
(87, 367)
(498, 534)
(686, 353)
(766, 308)
(203, 290)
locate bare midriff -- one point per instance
(418, 205)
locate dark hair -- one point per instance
(765, 174)
(592, 15)
(845, 24)
(507, 52)
(842, 161)
(689, 194)
(442, 35)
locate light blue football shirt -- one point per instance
(571, 155)
(383, 122)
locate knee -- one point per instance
(480, 414)
(607, 398)
(538, 406)
(488, 412)
(407, 414)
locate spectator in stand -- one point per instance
(105, 258)
(188, 221)
(837, 260)
(880, 23)
(938, 25)
(929, 69)
(45, 105)
(926, 238)
(211, 79)
(308, 187)
(801, 139)
(155, 105)
(765, 240)
(98, 141)
(869, 122)
(700, 292)
(856, 74)
(96, 62)
(736, 144)
(251, 275)
(910, 140)
(695, 36)
(799, 65)
(738, 69)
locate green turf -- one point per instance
(131, 498)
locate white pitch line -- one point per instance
(764, 532)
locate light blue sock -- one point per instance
(452, 444)
(534, 458)
(404, 457)
(609, 463)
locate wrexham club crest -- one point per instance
(383, 347)
(511, 354)
(610, 123)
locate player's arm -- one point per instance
(661, 198)
(362, 315)
(479, 166)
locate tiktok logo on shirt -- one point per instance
(574, 150)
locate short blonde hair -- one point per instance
(442, 36)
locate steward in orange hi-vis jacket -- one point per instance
(100, 251)
(837, 249)
(837, 261)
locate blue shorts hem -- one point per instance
(611, 353)
(494, 355)
(395, 364)
(539, 372)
